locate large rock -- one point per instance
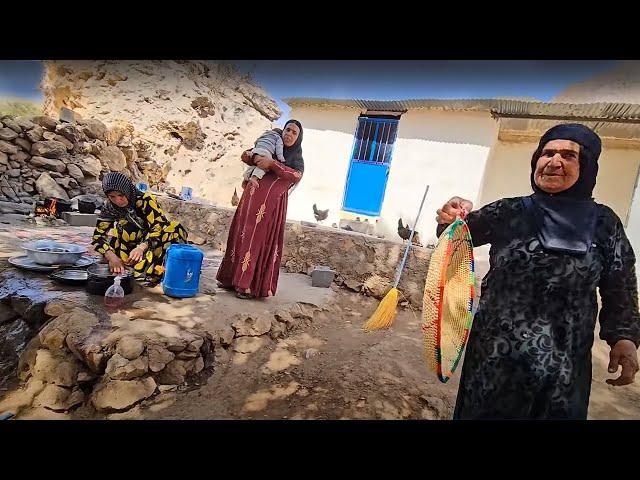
(113, 158)
(52, 337)
(47, 135)
(10, 194)
(12, 124)
(71, 132)
(75, 172)
(7, 134)
(15, 335)
(47, 187)
(4, 159)
(20, 157)
(225, 336)
(48, 163)
(177, 370)
(19, 208)
(67, 183)
(48, 148)
(24, 123)
(120, 368)
(130, 154)
(8, 148)
(35, 134)
(59, 138)
(117, 395)
(94, 128)
(159, 357)
(23, 143)
(130, 347)
(251, 326)
(45, 122)
(118, 131)
(55, 368)
(58, 399)
(31, 308)
(90, 165)
(23, 397)
(93, 187)
(57, 307)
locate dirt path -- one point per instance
(353, 375)
(327, 369)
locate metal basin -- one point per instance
(49, 252)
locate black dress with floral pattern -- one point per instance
(529, 351)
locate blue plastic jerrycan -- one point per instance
(182, 270)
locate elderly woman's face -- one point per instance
(558, 167)
(290, 134)
(118, 199)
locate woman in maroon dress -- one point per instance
(251, 263)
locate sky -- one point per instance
(376, 80)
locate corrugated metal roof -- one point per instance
(394, 105)
(598, 112)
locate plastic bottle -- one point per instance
(114, 296)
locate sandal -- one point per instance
(223, 286)
(243, 296)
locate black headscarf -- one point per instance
(293, 154)
(566, 220)
(116, 181)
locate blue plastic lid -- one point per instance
(184, 251)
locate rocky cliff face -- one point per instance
(183, 122)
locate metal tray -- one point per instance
(26, 263)
(70, 276)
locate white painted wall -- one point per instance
(326, 147)
(447, 150)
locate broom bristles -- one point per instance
(385, 313)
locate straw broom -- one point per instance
(385, 314)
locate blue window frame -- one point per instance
(369, 165)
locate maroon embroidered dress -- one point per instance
(251, 263)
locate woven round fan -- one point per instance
(447, 308)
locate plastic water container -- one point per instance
(182, 270)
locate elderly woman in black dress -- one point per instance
(529, 352)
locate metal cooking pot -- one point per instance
(99, 279)
(49, 252)
(86, 206)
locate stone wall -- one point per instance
(362, 262)
(42, 157)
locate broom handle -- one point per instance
(406, 251)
